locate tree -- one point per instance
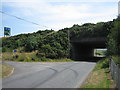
(114, 39)
(31, 44)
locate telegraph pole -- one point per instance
(69, 43)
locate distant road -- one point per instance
(48, 75)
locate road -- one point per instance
(48, 75)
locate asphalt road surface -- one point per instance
(48, 75)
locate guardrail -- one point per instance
(115, 73)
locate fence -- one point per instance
(115, 73)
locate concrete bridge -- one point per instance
(83, 48)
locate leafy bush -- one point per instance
(4, 49)
(116, 59)
(104, 63)
(113, 43)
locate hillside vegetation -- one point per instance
(55, 44)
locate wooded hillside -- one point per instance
(55, 44)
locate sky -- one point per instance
(54, 14)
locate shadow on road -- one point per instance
(92, 59)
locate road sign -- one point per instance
(14, 51)
(7, 31)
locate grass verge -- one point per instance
(29, 57)
(116, 59)
(5, 70)
(100, 77)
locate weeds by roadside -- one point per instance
(116, 59)
(100, 76)
(29, 57)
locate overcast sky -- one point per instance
(55, 14)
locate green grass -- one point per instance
(60, 60)
(29, 57)
(102, 64)
(98, 79)
(116, 59)
(5, 70)
(100, 53)
(100, 76)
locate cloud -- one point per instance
(60, 14)
(44, 8)
(60, 0)
(66, 12)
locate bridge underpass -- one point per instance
(83, 49)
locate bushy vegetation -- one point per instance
(101, 29)
(102, 64)
(116, 59)
(29, 42)
(113, 44)
(114, 39)
(29, 57)
(55, 44)
(49, 43)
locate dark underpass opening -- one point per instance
(84, 49)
